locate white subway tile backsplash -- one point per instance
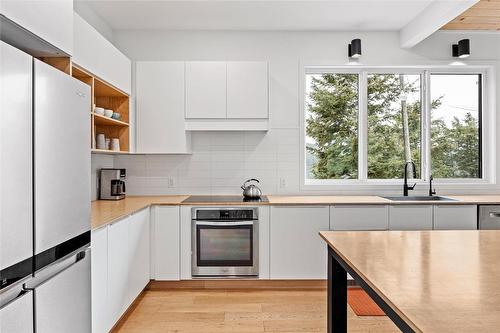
(219, 164)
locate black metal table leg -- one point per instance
(337, 296)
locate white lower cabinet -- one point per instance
(118, 268)
(185, 230)
(410, 217)
(359, 217)
(166, 243)
(99, 264)
(455, 217)
(139, 247)
(296, 249)
(264, 225)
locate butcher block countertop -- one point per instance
(105, 212)
(435, 281)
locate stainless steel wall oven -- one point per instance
(225, 242)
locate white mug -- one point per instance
(115, 144)
(101, 141)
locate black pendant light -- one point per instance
(462, 49)
(354, 49)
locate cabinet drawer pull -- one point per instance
(494, 214)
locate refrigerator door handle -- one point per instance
(57, 267)
(7, 301)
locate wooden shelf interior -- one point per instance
(83, 76)
(103, 89)
(103, 120)
(106, 96)
(61, 63)
(110, 152)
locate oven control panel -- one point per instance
(226, 214)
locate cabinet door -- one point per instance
(160, 108)
(297, 251)
(118, 268)
(97, 55)
(185, 239)
(410, 217)
(359, 217)
(206, 90)
(455, 217)
(247, 90)
(51, 20)
(138, 267)
(166, 243)
(99, 264)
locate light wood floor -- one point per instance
(250, 311)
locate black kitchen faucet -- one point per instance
(406, 188)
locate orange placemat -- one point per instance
(362, 304)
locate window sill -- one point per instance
(391, 186)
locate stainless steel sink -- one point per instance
(420, 198)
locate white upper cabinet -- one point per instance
(97, 55)
(227, 96)
(455, 217)
(206, 90)
(160, 108)
(51, 20)
(247, 90)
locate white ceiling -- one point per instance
(339, 15)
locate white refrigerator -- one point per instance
(44, 197)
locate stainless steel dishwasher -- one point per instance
(489, 217)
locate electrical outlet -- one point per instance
(282, 182)
(171, 182)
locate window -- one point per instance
(394, 124)
(364, 125)
(456, 125)
(332, 126)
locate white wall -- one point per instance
(83, 9)
(221, 161)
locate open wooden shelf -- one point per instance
(103, 120)
(108, 97)
(103, 89)
(82, 75)
(109, 152)
(61, 63)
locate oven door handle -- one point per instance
(225, 223)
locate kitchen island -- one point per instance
(425, 281)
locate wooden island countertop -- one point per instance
(434, 281)
(105, 212)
